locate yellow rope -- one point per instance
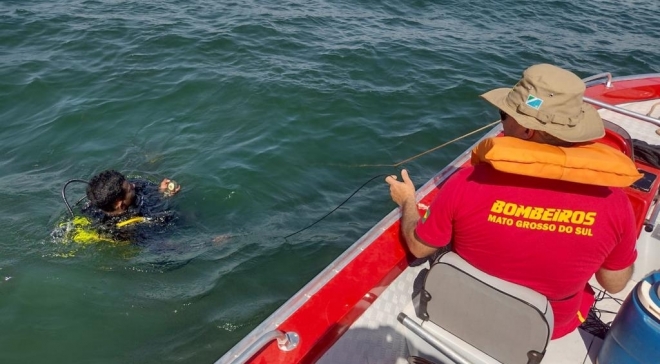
(432, 149)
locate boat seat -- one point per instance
(479, 315)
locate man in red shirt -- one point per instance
(547, 234)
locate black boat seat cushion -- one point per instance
(506, 321)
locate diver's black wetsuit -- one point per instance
(149, 203)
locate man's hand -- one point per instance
(168, 187)
(401, 192)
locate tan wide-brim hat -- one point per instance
(549, 98)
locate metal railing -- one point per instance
(608, 83)
(623, 111)
(438, 344)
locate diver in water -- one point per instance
(128, 210)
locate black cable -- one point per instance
(68, 207)
(335, 209)
(594, 323)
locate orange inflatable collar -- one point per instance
(588, 163)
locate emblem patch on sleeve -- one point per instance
(426, 215)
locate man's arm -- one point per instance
(624, 253)
(614, 280)
(403, 193)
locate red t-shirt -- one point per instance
(548, 235)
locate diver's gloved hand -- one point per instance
(169, 187)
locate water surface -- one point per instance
(264, 112)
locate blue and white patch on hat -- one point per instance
(534, 102)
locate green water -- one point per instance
(263, 112)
